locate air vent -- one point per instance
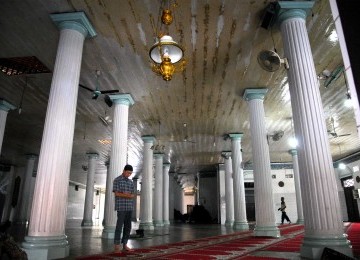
(22, 65)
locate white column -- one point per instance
(106, 211)
(89, 194)
(146, 221)
(118, 157)
(46, 234)
(322, 214)
(134, 212)
(240, 220)
(300, 215)
(24, 204)
(9, 192)
(5, 107)
(158, 191)
(172, 183)
(264, 202)
(229, 189)
(166, 168)
(197, 188)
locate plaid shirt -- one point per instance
(126, 185)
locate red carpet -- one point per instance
(231, 246)
(240, 245)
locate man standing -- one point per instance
(283, 213)
(123, 189)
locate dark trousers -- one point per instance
(123, 224)
(284, 216)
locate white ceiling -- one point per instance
(221, 39)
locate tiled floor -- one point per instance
(87, 240)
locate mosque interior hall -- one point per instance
(240, 120)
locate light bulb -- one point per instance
(293, 142)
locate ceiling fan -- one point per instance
(271, 61)
(106, 119)
(185, 140)
(96, 92)
(333, 132)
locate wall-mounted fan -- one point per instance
(333, 132)
(96, 92)
(271, 61)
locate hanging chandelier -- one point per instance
(166, 54)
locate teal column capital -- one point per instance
(255, 93)
(293, 151)
(166, 165)
(148, 138)
(226, 154)
(92, 155)
(158, 155)
(236, 136)
(77, 21)
(6, 106)
(124, 99)
(292, 9)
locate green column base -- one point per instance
(229, 223)
(108, 232)
(300, 221)
(51, 247)
(146, 226)
(313, 247)
(266, 231)
(241, 226)
(87, 223)
(166, 222)
(158, 223)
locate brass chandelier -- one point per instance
(166, 54)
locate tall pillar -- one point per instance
(9, 192)
(89, 194)
(25, 205)
(264, 202)
(118, 157)
(172, 184)
(300, 215)
(46, 235)
(240, 220)
(322, 214)
(134, 212)
(159, 190)
(229, 189)
(146, 221)
(198, 188)
(5, 107)
(106, 211)
(166, 168)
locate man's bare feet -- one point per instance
(117, 248)
(127, 249)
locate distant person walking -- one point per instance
(124, 192)
(283, 212)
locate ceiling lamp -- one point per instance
(166, 54)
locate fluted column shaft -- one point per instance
(322, 214)
(48, 211)
(158, 191)
(134, 212)
(89, 194)
(25, 205)
(5, 107)
(172, 184)
(9, 192)
(264, 202)
(299, 206)
(118, 157)
(166, 168)
(240, 220)
(146, 221)
(229, 192)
